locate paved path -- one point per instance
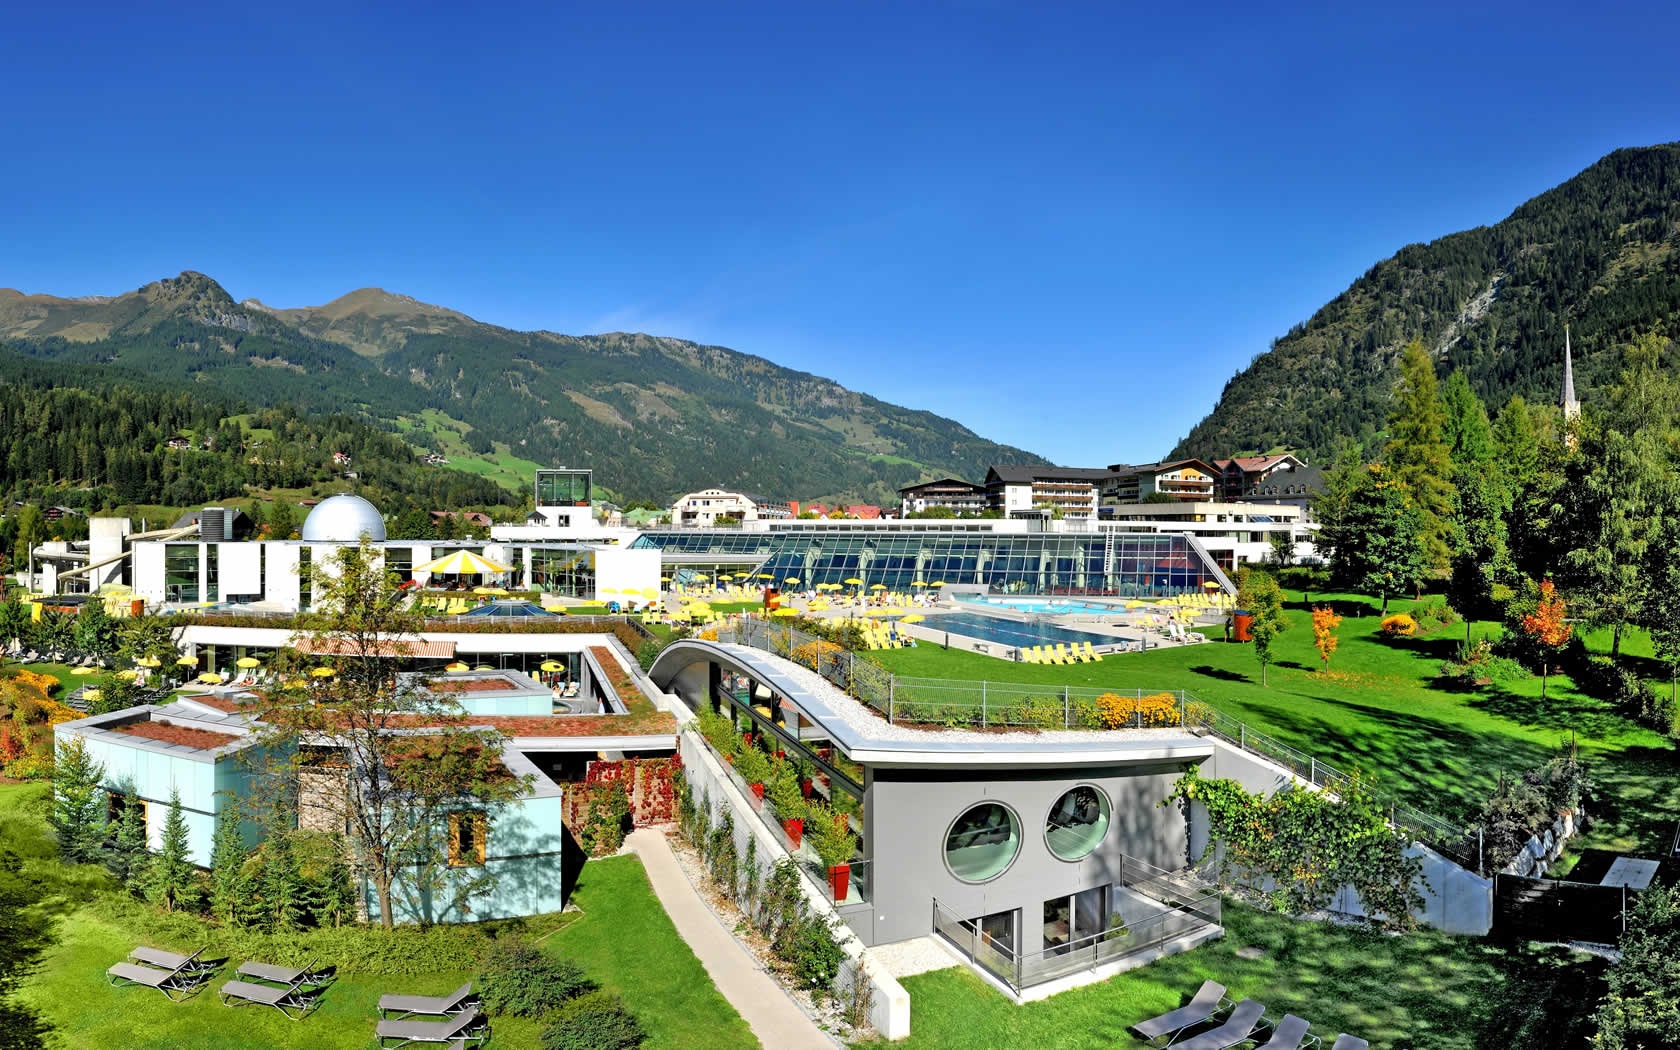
(756, 996)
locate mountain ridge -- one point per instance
(1599, 252)
(655, 415)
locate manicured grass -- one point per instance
(622, 938)
(1380, 709)
(1427, 991)
(626, 942)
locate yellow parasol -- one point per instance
(484, 667)
(650, 593)
(211, 678)
(188, 661)
(791, 579)
(463, 563)
(553, 665)
(937, 583)
(80, 671)
(855, 582)
(456, 666)
(877, 586)
(764, 576)
(247, 661)
(606, 590)
(784, 612)
(913, 618)
(149, 661)
(891, 610)
(129, 675)
(322, 672)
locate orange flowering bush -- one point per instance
(1399, 625)
(1123, 712)
(27, 716)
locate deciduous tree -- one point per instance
(1324, 624)
(1259, 594)
(1546, 625)
(1380, 546)
(1417, 456)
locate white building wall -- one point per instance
(146, 567)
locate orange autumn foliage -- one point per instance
(1324, 624)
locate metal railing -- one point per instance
(953, 703)
(1141, 919)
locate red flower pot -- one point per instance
(795, 829)
(840, 880)
(758, 793)
(780, 753)
(805, 788)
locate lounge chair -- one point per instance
(405, 1006)
(1202, 1006)
(291, 1000)
(177, 983)
(1349, 1042)
(188, 964)
(281, 974)
(1092, 653)
(1288, 1034)
(467, 1028)
(1239, 1027)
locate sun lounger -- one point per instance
(1092, 653)
(291, 1000)
(1288, 1035)
(280, 974)
(1238, 1028)
(1349, 1042)
(188, 964)
(177, 983)
(467, 1028)
(405, 1006)
(1202, 1006)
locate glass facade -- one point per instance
(568, 572)
(1077, 823)
(400, 560)
(306, 583)
(562, 488)
(1109, 564)
(983, 842)
(180, 572)
(212, 572)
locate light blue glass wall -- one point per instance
(523, 851)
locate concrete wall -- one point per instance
(890, 1010)
(909, 812)
(1455, 900)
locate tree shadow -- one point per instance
(1209, 671)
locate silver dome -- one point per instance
(343, 519)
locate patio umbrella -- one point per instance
(664, 579)
(129, 675)
(918, 583)
(765, 576)
(499, 591)
(149, 661)
(322, 672)
(877, 586)
(552, 665)
(1210, 584)
(606, 590)
(484, 667)
(247, 661)
(456, 666)
(211, 678)
(784, 612)
(937, 583)
(913, 618)
(80, 671)
(481, 590)
(650, 593)
(791, 579)
(188, 661)
(463, 563)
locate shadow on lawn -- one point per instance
(1210, 671)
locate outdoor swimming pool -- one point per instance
(1012, 632)
(1047, 606)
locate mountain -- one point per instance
(1597, 253)
(653, 416)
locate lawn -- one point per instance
(1379, 709)
(1426, 991)
(620, 935)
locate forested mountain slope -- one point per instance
(1598, 253)
(653, 416)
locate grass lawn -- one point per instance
(1426, 991)
(1379, 709)
(621, 936)
(627, 943)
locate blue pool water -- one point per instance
(1011, 632)
(1048, 606)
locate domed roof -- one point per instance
(343, 519)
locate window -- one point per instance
(1077, 823)
(466, 838)
(983, 842)
(306, 580)
(180, 572)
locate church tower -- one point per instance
(1571, 407)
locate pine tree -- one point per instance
(128, 860)
(1381, 550)
(171, 880)
(1465, 426)
(1417, 456)
(79, 802)
(227, 867)
(282, 886)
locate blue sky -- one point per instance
(1065, 226)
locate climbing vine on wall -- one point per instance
(1308, 844)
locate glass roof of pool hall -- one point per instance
(1117, 565)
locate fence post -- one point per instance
(1481, 860)
(982, 703)
(1067, 709)
(1312, 775)
(1242, 736)
(892, 682)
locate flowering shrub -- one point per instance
(27, 716)
(817, 654)
(46, 683)
(1399, 625)
(1122, 712)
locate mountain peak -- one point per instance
(375, 302)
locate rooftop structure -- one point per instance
(1181, 479)
(1070, 490)
(344, 518)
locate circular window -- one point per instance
(1077, 822)
(983, 842)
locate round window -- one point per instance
(983, 842)
(1077, 823)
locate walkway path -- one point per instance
(773, 1017)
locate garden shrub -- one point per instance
(815, 954)
(594, 1021)
(516, 977)
(1125, 712)
(603, 829)
(1039, 712)
(1399, 625)
(1434, 615)
(1641, 1007)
